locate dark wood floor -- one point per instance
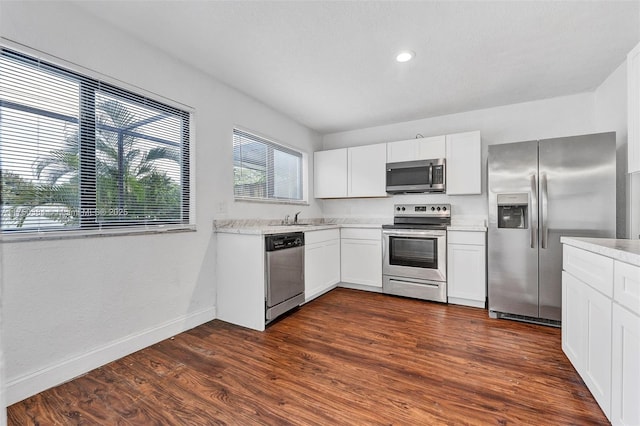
(347, 358)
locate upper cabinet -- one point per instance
(350, 172)
(464, 159)
(330, 173)
(361, 171)
(367, 171)
(416, 149)
(633, 109)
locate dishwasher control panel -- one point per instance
(275, 242)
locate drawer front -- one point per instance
(312, 237)
(626, 286)
(361, 233)
(592, 269)
(465, 237)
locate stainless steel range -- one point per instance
(415, 252)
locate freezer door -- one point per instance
(577, 186)
(513, 251)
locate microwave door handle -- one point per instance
(430, 175)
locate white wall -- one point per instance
(70, 305)
(610, 100)
(563, 116)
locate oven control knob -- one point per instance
(403, 209)
(433, 209)
(438, 208)
(397, 208)
(444, 209)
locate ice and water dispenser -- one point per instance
(512, 211)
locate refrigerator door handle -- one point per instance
(533, 208)
(543, 211)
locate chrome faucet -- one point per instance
(295, 219)
(286, 220)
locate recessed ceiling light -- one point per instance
(405, 56)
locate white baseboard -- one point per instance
(32, 383)
(310, 297)
(361, 287)
(467, 302)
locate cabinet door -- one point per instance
(625, 386)
(573, 320)
(466, 282)
(597, 372)
(430, 148)
(330, 173)
(361, 262)
(464, 158)
(313, 270)
(633, 109)
(401, 151)
(367, 172)
(322, 267)
(331, 263)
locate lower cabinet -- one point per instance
(625, 359)
(597, 360)
(466, 268)
(361, 256)
(321, 262)
(601, 331)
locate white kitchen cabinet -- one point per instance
(601, 329)
(597, 369)
(367, 172)
(330, 173)
(350, 172)
(625, 380)
(625, 357)
(464, 160)
(573, 324)
(466, 268)
(586, 337)
(240, 279)
(361, 256)
(633, 109)
(416, 149)
(321, 262)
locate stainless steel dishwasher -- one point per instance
(284, 275)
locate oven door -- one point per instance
(413, 253)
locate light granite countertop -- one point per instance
(627, 251)
(264, 227)
(468, 228)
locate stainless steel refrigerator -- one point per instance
(539, 191)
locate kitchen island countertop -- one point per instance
(627, 251)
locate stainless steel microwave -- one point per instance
(416, 176)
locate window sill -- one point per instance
(262, 200)
(67, 235)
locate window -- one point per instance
(265, 170)
(78, 153)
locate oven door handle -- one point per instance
(414, 233)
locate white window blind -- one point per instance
(265, 170)
(78, 153)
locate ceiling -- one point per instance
(331, 65)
